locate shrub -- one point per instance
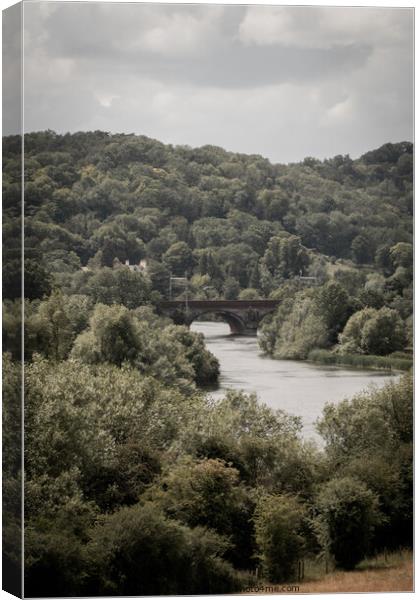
(54, 562)
(347, 514)
(249, 294)
(208, 493)
(302, 331)
(278, 522)
(383, 333)
(371, 331)
(370, 438)
(138, 551)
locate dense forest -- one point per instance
(137, 482)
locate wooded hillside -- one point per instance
(94, 197)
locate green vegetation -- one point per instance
(278, 529)
(347, 515)
(136, 481)
(351, 314)
(370, 438)
(392, 362)
(91, 198)
(373, 331)
(125, 473)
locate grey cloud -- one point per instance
(243, 67)
(186, 74)
(105, 35)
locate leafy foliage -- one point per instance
(370, 438)
(372, 331)
(139, 551)
(278, 525)
(347, 514)
(92, 198)
(117, 335)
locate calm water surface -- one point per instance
(299, 388)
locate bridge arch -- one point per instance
(236, 324)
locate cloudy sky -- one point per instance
(284, 82)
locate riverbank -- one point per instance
(363, 361)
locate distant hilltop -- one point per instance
(388, 152)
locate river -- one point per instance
(299, 388)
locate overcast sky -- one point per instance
(284, 82)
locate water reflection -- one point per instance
(299, 388)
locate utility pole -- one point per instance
(186, 294)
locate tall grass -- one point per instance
(386, 560)
(365, 361)
(385, 573)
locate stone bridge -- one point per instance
(243, 316)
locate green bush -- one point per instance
(209, 493)
(303, 330)
(370, 437)
(54, 561)
(138, 551)
(372, 331)
(278, 524)
(347, 514)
